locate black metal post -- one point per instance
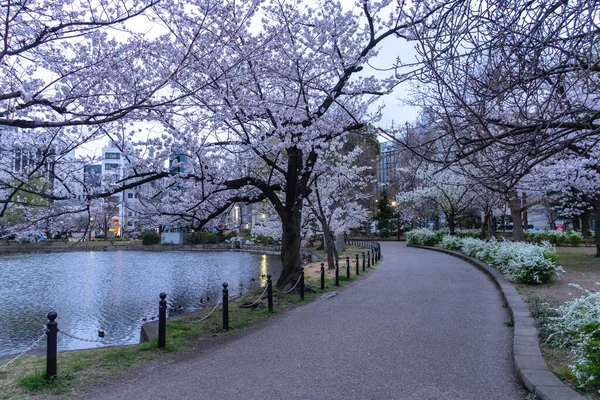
(322, 276)
(162, 321)
(363, 260)
(270, 292)
(337, 272)
(225, 307)
(373, 256)
(348, 267)
(368, 259)
(52, 333)
(301, 283)
(357, 265)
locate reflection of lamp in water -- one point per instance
(263, 270)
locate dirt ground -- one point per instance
(581, 268)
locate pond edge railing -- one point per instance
(52, 331)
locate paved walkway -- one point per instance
(425, 325)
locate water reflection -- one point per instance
(113, 291)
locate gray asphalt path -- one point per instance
(425, 325)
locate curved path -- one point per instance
(425, 325)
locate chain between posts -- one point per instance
(203, 318)
(82, 339)
(294, 287)
(256, 301)
(21, 354)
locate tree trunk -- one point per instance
(436, 223)
(597, 229)
(328, 244)
(330, 248)
(340, 243)
(291, 241)
(585, 224)
(492, 225)
(576, 224)
(484, 225)
(451, 219)
(515, 213)
(524, 208)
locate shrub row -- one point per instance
(519, 262)
(554, 237)
(424, 237)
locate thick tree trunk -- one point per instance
(436, 223)
(451, 223)
(291, 241)
(597, 229)
(585, 224)
(576, 224)
(515, 212)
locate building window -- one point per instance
(130, 195)
(129, 214)
(129, 223)
(110, 166)
(112, 156)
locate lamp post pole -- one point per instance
(397, 213)
(398, 224)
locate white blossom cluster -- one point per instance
(519, 262)
(423, 237)
(578, 325)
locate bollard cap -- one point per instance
(162, 296)
(52, 315)
(269, 276)
(225, 284)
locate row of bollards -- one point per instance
(52, 326)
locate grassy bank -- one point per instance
(25, 379)
(582, 268)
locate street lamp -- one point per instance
(395, 205)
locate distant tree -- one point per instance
(385, 211)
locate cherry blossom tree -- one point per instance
(573, 181)
(260, 130)
(336, 196)
(252, 92)
(76, 71)
(451, 192)
(509, 85)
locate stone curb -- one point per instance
(529, 363)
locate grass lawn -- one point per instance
(77, 370)
(582, 268)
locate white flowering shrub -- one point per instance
(578, 326)
(519, 262)
(452, 243)
(422, 237)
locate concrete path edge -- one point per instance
(529, 362)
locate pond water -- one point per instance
(113, 291)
